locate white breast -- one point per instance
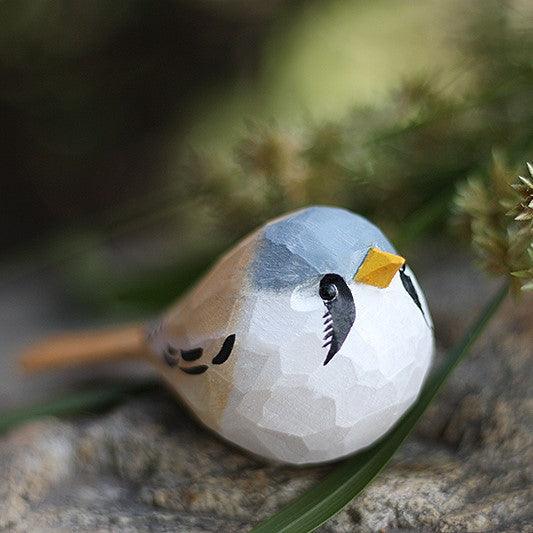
(286, 405)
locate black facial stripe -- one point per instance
(339, 316)
(200, 369)
(191, 355)
(410, 288)
(225, 350)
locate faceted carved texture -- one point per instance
(315, 364)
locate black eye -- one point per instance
(328, 292)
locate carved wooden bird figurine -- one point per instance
(306, 342)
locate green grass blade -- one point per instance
(91, 400)
(329, 496)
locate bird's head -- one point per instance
(328, 264)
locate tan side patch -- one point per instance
(207, 314)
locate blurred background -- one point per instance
(138, 140)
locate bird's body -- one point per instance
(304, 343)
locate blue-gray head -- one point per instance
(330, 251)
(312, 242)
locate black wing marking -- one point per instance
(171, 356)
(410, 288)
(191, 355)
(199, 369)
(339, 316)
(225, 350)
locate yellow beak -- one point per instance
(379, 268)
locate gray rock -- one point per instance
(147, 466)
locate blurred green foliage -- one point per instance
(396, 159)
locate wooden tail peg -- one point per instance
(76, 349)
